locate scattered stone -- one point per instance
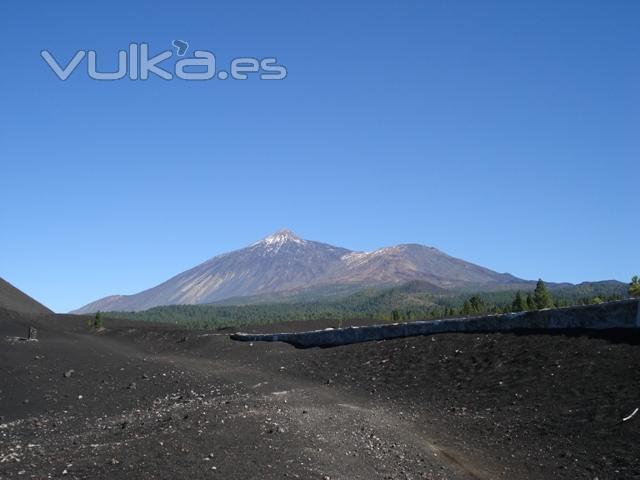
(68, 373)
(32, 334)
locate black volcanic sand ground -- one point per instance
(150, 401)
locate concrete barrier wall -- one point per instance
(623, 314)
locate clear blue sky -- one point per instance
(506, 133)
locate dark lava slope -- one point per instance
(151, 401)
(15, 300)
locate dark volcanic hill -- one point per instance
(284, 262)
(17, 301)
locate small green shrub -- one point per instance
(634, 287)
(97, 321)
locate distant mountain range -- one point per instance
(284, 265)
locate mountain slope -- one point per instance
(284, 262)
(404, 263)
(17, 301)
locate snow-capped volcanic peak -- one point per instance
(284, 262)
(282, 236)
(277, 240)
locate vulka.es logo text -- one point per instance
(136, 64)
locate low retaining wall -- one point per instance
(623, 314)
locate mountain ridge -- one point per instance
(284, 262)
(15, 300)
